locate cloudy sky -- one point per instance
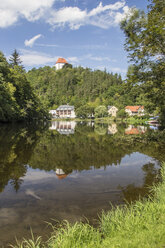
(84, 32)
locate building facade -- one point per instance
(60, 63)
(65, 111)
(112, 110)
(134, 110)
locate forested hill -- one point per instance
(18, 101)
(80, 86)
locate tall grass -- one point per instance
(139, 225)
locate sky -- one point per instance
(84, 32)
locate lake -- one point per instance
(70, 171)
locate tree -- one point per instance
(84, 111)
(15, 59)
(101, 111)
(17, 99)
(145, 44)
(122, 114)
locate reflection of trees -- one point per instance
(84, 149)
(151, 176)
(25, 145)
(101, 129)
(17, 144)
(79, 151)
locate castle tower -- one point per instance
(60, 63)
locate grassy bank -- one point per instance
(141, 224)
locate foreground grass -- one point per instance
(141, 224)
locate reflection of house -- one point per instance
(60, 63)
(132, 130)
(63, 127)
(65, 111)
(112, 110)
(134, 110)
(135, 130)
(53, 113)
(60, 174)
(112, 129)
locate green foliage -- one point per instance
(145, 43)
(15, 59)
(137, 120)
(101, 111)
(76, 86)
(84, 111)
(17, 99)
(121, 113)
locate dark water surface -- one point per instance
(69, 171)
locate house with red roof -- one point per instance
(134, 110)
(60, 63)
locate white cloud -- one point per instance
(73, 17)
(119, 16)
(100, 8)
(101, 16)
(33, 58)
(32, 10)
(30, 42)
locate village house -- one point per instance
(134, 110)
(60, 63)
(65, 111)
(112, 110)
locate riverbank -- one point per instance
(135, 120)
(141, 224)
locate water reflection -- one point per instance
(45, 175)
(131, 129)
(68, 127)
(112, 129)
(63, 127)
(60, 174)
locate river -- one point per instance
(70, 171)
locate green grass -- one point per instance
(141, 224)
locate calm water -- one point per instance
(69, 171)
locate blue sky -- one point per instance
(84, 32)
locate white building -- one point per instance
(112, 110)
(65, 111)
(60, 63)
